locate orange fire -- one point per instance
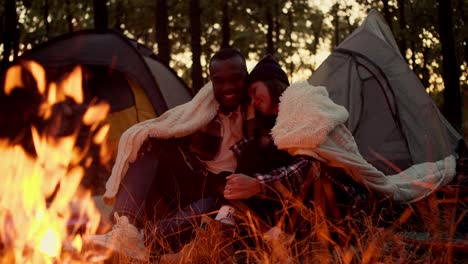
(40, 194)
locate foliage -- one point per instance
(39, 25)
(294, 30)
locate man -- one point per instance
(178, 158)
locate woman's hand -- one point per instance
(241, 186)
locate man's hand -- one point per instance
(241, 186)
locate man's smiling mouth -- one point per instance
(229, 96)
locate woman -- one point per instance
(259, 157)
(262, 165)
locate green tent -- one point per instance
(116, 69)
(394, 121)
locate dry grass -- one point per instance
(430, 231)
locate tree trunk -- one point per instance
(336, 20)
(226, 29)
(10, 32)
(100, 14)
(69, 16)
(45, 15)
(195, 43)
(269, 36)
(387, 13)
(413, 55)
(119, 10)
(462, 7)
(289, 35)
(277, 23)
(2, 31)
(466, 50)
(424, 70)
(450, 70)
(350, 27)
(402, 23)
(162, 31)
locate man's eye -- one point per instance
(237, 77)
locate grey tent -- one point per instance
(393, 120)
(118, 70)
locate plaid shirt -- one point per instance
(347, 191)
(291, 176)
(239, 147)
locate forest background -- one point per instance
(431, 34)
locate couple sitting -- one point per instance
(212, 151)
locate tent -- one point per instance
(117, 70)
(393, 120)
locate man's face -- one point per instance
(261, 99)
(228, 78)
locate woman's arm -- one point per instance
(241, 186)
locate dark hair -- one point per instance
(267, 68)
(228, 53)
(275, 89)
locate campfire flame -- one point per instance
(43, 210)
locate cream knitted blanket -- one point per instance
(310, 123)
(177, 122)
